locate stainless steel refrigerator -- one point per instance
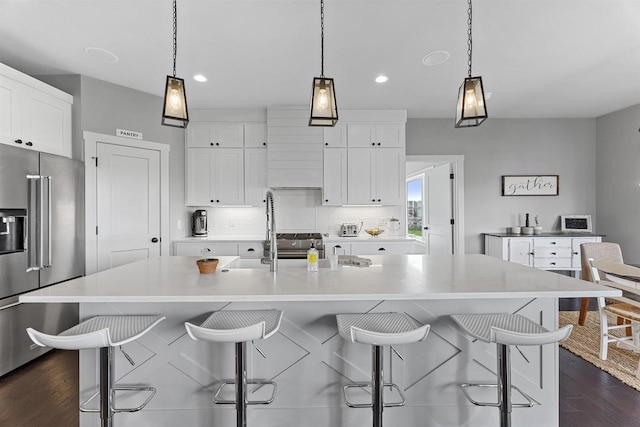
(41, 243)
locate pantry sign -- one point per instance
(530, 185)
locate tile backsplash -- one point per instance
(297, 210)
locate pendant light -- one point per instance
(175, 99)
(471, 109)
(324, 111)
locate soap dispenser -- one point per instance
(312, 258)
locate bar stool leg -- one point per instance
(504, 384)
(106, 386)
(241, 384)
(377, 386)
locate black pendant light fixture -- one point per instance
(471, 109)
(324, 111)
(175, 111)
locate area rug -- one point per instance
(584, 342)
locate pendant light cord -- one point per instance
(175, 35)
(469, 41)
(321, 38)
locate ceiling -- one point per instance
(538, 58)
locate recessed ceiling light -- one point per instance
(381, 79)
(487, 95)
(200, 78)
(435, 58)
(101, 54)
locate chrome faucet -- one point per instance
(272, 260)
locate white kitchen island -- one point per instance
(307, 358)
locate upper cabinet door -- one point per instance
(376, 135)
(10, 111)
(34, 119)
(46, 122)
(335, 137)
(255, 135)
(215, 135)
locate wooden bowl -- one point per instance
(207, 266)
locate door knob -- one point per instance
(154, 240)
(426, 228)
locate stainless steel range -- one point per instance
(296, 245)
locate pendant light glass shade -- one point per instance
(324, 111)
(175, 103)
(471, 109)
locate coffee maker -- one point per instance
(199, 223)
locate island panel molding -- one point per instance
(530, 185)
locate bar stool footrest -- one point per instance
(531, 401)
(217, 400)
(369, 405)
(152, 390)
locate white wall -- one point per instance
(618, 179)
(565, 147)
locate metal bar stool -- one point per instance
(239, 327)
(105, 333)
(506, 330)
(378, 330)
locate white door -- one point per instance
(128, 204)
(438, 210)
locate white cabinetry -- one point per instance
(379, 135)
(381, 248)
(548, 252)
(215, 176)
(255, 135)
(255, 176)
(226, 135)
(243, 249)
(215, 249)
(34, 115)
(334, 188)
(226, 163)
(374, 176)
(335, 136)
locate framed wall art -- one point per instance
(530, 185)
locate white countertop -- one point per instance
(219, 239)
(391, 277)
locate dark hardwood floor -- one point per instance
(45, 393)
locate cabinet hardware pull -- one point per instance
(264, 143)
(576, 253)
(553, 253)
(553, 263)
(553, 243)
(326, 144)
(211, 143)
(378, 144)
(338, 246)
(381, 249)
(251, 250)
(18, 141)
(154, 240)
(373, 200)
(373, 143)
(217, 143)
(326, 200)
(29, 144)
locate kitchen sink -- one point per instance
(283, 264)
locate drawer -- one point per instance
(553, 242)
(559, 252)
(251, 250)
(195, 249)
(382, 248)
(558, 263)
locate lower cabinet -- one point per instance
(371, 248)
(243, 249)
(544, 252)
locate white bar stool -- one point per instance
(506, 330)
(377, 330)
(239, 326)
(105, 333)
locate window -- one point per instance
(415, 205)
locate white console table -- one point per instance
(547, 251)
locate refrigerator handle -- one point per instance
(33, 201)
(48, 222)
